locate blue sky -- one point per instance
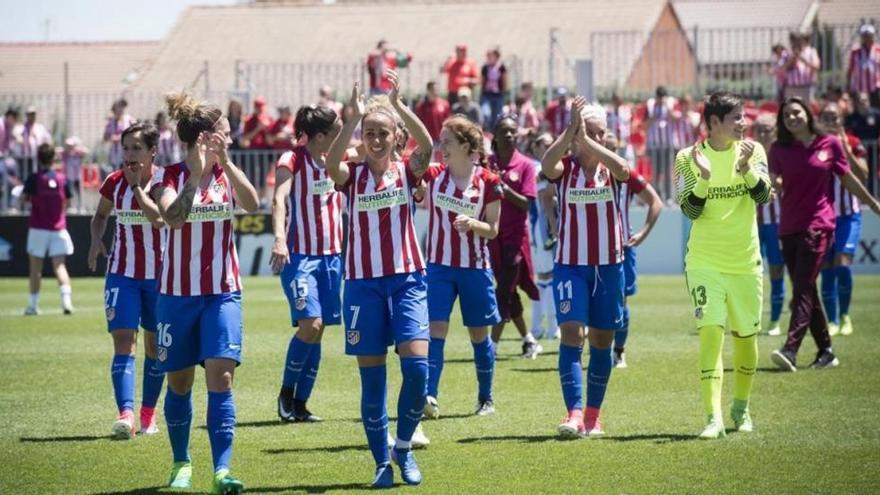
(92, 20)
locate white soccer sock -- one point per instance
(35, 300)
(400, 444)
(549, 308)
(66, 291)
(529, 338)
(538, 312)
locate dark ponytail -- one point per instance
(312, 120)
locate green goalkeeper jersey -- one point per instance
(724, 234)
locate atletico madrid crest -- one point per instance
(111, 313)
(565, 307)
(698, 313)
(301, 303)
(161, 353)
(353, 337)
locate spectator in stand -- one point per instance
(256, 126)
(116, 123)
(467, 107)
(864, 66)
(280, 135)
(327, 99)
(462, 72)
(494, 77)
(381, 59)
(780, 54)
(660, 145)
(48, 192)
(558, 112)
(526, 116)
(9, 129)
(864, 123)
(72, 157)
(432, 111)
(168, 152)
(234, 114)
(33, 134)
(620, 122)
(800, 66)
(685, 124)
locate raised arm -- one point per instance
(97, 227)
(615, 163)
(551, 162)
(422, 155)
(174, 207)
(857, 164)
(692, 189)
(337, 170)
(244, 191)
(280, 254)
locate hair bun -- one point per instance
(181, 106)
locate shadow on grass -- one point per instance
(534, 370)
(278, 422)
(511, 438)
(329, 450)
(658, 438)
(451, 416)
(767, 369)
(308, 488)
(135, 491)
(76, 438)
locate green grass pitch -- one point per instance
(816, 431)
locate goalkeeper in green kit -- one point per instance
(718, 183)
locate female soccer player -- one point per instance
(384, 299)
(588, 276)
(837, 279)
(463, 201)
(199, 303)
(307, 220)
(510, 250)
(130, 290)
(719, 181)
(803, 163)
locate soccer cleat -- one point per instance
(714, 429)
(572, 425)
(384, 476)
(285, 408)
(593, 427)
(530, 350)
(825, 359)
(432, 408)
(123, 428)
(833, 329)
(742, 420)
(31, 311)
(485, 408)
(148, 421)
(774, 330)
(67, 309)
(619, 359)
(418, 440)
(301, 413)
(784, 359)
(846, 326)
(409, 470)
(225, 484)
(181, 475)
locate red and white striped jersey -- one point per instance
(113, 132)
(590, 226)
(200, 257)
(864, 68)
(768, 213)
(620, 122)
(137, 246)
(381, 237)
(801, 74)
(634, 185)
(445, 201)
(314, 206)
(845, 203)
(660, 133)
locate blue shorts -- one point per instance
(846, 235)
(130, 303)
(768, 235)
(629, 271)
(312, 284)
(383, 311)
(476, 288)
(192, 329)
(592, 295)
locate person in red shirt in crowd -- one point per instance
(280, 136)
(558, 112)
(461, 72)
(256, 125)
(384, 57)
(48, 192)
(864, 66)
(433, 110)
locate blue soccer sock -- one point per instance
(297, 354)
(621, 334)
(411, 402)
(221, 427)
(777, 297)
(309, 373)
(178, 418)
(598, 372)
(571, 376)
(435, 365)
(374, 412)
(484, 362)
(153, 379)
(829, 293)
(122, 375)
(844, 288)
